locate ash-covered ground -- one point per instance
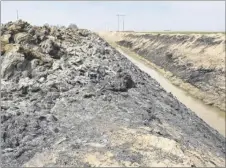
(197, 59)
(69, 99)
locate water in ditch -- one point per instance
(211, 115)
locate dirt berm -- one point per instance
(197, 59)
(69, 99)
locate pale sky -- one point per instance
(140, 15)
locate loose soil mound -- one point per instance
(69, 99)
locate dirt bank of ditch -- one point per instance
(195, 62)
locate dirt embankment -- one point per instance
(197, 59)
(69, 99)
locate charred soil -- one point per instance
(69, 99)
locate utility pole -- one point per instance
(118, 20)
(17, 16)
(122, 21)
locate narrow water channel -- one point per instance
(211, 115)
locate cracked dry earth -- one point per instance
(70, 99)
